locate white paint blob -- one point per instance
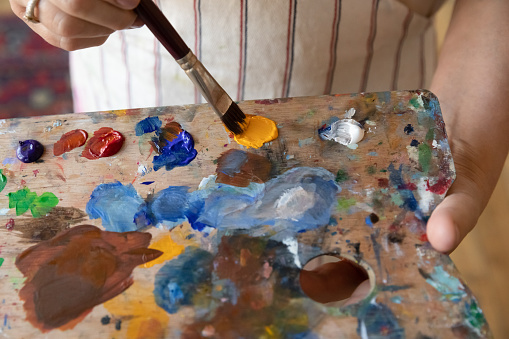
(345, 132)
(294, 202)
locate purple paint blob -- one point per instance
(29, 150)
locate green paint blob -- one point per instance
(396, 199)
(424, 157)
(430, 135)
(3, 181)
(23, 200)
(474, 316)
(341, 176)
(345, 204)
(415, 102)
(1, 261)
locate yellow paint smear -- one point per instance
(259, 130)
(169, 248)
(146, 319)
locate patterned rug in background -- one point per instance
(34, 76)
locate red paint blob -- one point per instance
(440, 187)
(70, 141)
(105, 143)
(10, 224)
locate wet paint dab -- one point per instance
(29, 151)
(24, 200)
(105, 143)
(175, 147)
(3, 181)
(69, 141)
(257, 132)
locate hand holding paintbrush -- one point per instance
(229, 112)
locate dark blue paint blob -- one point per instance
(176, 281)
(116, 205)
(118, 324)
(408, 129)
(177, 152)
(105, 320)
(168, 205)
(29, 151)
(148, 125)
(414, 143)
(374, 319)
(147, 182)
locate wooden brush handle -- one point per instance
(162, 28)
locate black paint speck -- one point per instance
(118, 324)
(414, 143)
(396, 237)
(408, 129)
(374, 218)
(105, 320)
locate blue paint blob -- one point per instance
(147, 182)
(176, 281)
(116, 205)
(177, 152)
(167, 206)
(414, 143)
(148, 125)
(232, 162)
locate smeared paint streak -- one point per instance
(48, 226)
(146, 319)
(450, 287)
(29, 150)
(239, 168)
(378, 321)
(3, 180)
(247, 277)
(404, 197)
(169, 249)
(69, 141)
(23, 200)
(174, 146)
(9, 161)
(147, 183)
(106, 142)
(307, 141)
(148, 125)
(298, 200)
(344, 204)
(1, 261)
(424, 156)
(92, 265)
(116, 205)
(258, 131)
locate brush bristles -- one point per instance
(234, 118)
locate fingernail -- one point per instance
(128, 4)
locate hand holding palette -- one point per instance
(186, 233)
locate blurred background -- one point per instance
(34, 80)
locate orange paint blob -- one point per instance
(258, 131)
(70, 141)
(105, 143)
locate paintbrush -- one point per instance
(229, 112)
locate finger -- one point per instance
(66, 43)
(454, 217)
(332, 281)
(101, 13)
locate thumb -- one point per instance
(455, 216)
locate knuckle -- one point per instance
(77, 6)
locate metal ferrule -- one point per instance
(210, 89)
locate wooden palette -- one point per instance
(231, 261)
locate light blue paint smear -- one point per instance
(374, 319)
(116, 205)
(450, 287)
(307, 141)
(148, 125)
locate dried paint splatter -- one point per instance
(23, 200)
(78, 269)
(3, 180)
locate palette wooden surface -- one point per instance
(231, 258)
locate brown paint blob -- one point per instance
(69, 141)
(105, 143)
(239, 168)
(49, 225)
(167, 134)
(78, 269)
